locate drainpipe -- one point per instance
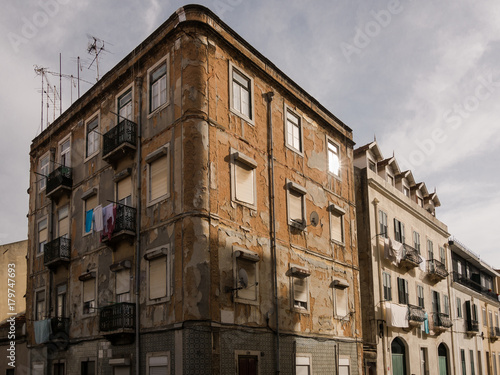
(138, 81)
(269, 98)
(448, 284)
(380, 284)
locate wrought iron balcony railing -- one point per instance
(125, 224)
(437, 269)
(59, 180)
(122, 136)
(462, 279)
(416, 314)
(472, 325)
(441, 320)
(59, 325)
(411, 257)
(57, 251)
(117, 317)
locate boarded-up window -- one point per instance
(124, 191)
(158, 178)
(88, 296)
(158, 278)
(244, 183)
(62, 222)
(42, 234)
(300, 292)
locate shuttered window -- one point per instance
(340, 302)
(124, 191)
(42, 235)
(387, 287)
(63, 222)
(337, 226)
(384, 229)
(122, 287)
(158, 178)
(300, 293)
(245, 183)
(295, 206)
(158, 278)
(158, 365)
(88, 296)
(90, 204)
(399, 231)
(403, 291)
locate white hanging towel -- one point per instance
(98, 226)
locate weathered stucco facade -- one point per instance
(404, 255)
(234, 244)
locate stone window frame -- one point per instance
(299, 272)
(238, 157)
(241, 254)
(339, 212)
(340, 286)
(251, 86)
(288, 143)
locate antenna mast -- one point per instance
(95, 47)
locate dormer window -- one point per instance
(390, 179)
(406, 191)
(372, 166)
(420, 202)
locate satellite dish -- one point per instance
(243, 278)
(314, 218)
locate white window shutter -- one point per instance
(244, 183)
(300, 289)
(158, 278)
(158, 178)
(295, 206)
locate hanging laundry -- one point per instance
(88, 220)
(425, 324)
(43, 330)
(98, 220)
(399, 316)
(422, 264)
(397, 248)
(109, 215)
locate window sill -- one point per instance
(297, 225)
(299, 310)
(91, 156)
(156, 110)
(291, 148)
(158, 200)
(334, 175)
(157, 301)
(246, 301)
(242, 116)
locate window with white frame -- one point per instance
(241, 95)
(246, 275)
(42, 235)
(296, 201)
(299, 278)
(43, 171)
(333, 158)
(446, 301)
(158, 363)
(293, 133)
(89, 293)
(158, 174)
(65, 153)
(416, 241)
(372, 166)
(399, 231)
(406, 191)
(303, 365)
(158, 79)
(387, 286)
(159, 274)
(344, 366)
(61, 292)
(93, 136)
(40, 305)
(336, 223)
(63, 222)
(243, 179)
(485, 322)
(125, 106)
(383, 227)
(340, 290)
(122, 285)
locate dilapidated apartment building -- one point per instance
(404, 255)
(194, 213)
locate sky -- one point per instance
(421, 76)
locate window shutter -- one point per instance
(341, 302)
(397, 234)
(158, 178)
(42, 235)
(89, 290)
(91, 202)
(244, 183)
(158, 370)
(406, 291)
(300, 289)
(122, 281)
(124, 188)
(402, 232)
(63, 227)
(295, 206)
(468, 311)
(337, 227)
(158, 278)
(401, 291)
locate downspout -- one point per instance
(138, 81)
(380, 284)
(448, 282)
(269, 98)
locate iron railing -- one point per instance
(416, 313)
(59, 325)
(411, 255)
(125, 218)
(464, 280)
(441, 320)
(117, 317)
(124, 132)
(62, 176)
(472, 325)
(437, 268)
(57, 250)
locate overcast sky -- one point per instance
(423, 76)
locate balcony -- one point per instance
(416, 315)
(441, 322)
(57, 252)
(124, 226)
(494, 334)
(59, 338)
(120, 141)
(472, 327)
(471, 284)
(59, 182)
(437, 270)
(117, 323)
(411, 258)
(60, 326)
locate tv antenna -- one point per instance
(95, 47)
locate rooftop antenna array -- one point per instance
(95, 47)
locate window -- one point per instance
(382, 219)
(387, 287)
(403, 292)
(158, 174)
(303, 365)
(40, 305)
(333, 158)
(485, 322)
(42, 235)
(89, 303)
(93, 137)
(459, 308)
(159, 271)
(420, 296)
(158, 364)
(390, 179)
(416, 241)
(58, 369)
(241, 94)
(446, 304)
(472, 369)
(248, 364)
(246, 272)
(371, 165)
(158, 93)
(337, 223)
(420, 201)
(462, 359)
(296, 205)
(125, 106)
(90, 203)
(496, 320)
(38, 368)
(299, 288)
(344, 366)
(399, 231)
(430, 249)
(436, 302)
(61, 301)
(494, 360)
(124, 191)
(43, 172)
(88, 368)
(243, 181)
(122, 285)
(442, 255)
(341, 307)
(63, 222)
(293, 133)
(65, 153)
(406, 191)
